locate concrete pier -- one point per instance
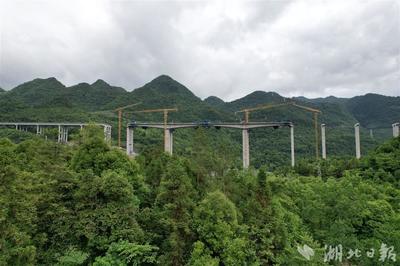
(357, 140)
(107, 132)
(245, 148)
(292, 145)
(171, 140)
(129, 142)
(396, 129)
(167, 141)
(323, 141)
(59, 134)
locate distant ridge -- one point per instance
(214, 101)
(329, 99)
(371, 110)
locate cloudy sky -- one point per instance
(224, 48)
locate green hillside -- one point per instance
(164, 92)
(49, 100)
(374, 110)
(38, 92)
(215, 102)
(90, 97)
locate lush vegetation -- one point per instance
(89, 204)
(49, 100)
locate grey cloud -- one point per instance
(222, 48)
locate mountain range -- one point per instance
(50, 100)
(371, 110)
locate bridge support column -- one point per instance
(292, 144)
(168, 141)
(37, 129)
(59, 134)
(246, 149)
(129, 141)
(357, 140)
(171, 140)
(107, 133)
(323, 141)
(396, 130)
(65, 140)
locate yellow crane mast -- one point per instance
(315, 112)
(119, 111)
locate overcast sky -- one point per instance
(224, 48)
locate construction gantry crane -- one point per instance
(165, 112)
(315, 112)
(119, 111)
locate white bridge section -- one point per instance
(62, 128)
(396, 130)
(245, 127)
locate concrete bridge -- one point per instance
(63, 128)
(169, 128)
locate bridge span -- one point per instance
(245, 127)
(63, 128)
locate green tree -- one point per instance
(173, 207)
(216, 223)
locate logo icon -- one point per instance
(305, 251)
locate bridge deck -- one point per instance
(210, 124)
(64, 124)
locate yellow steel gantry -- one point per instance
(119, 111)
(165, 112)
(315, 112)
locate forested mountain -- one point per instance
(374, 110)
(215, 102)
(49, 100)
(38, 92)
(371, 110)
(164, 92)
(90, 97)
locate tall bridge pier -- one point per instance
(323, 141)
(357, 140)
(244, 127)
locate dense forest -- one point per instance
(87, 203)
